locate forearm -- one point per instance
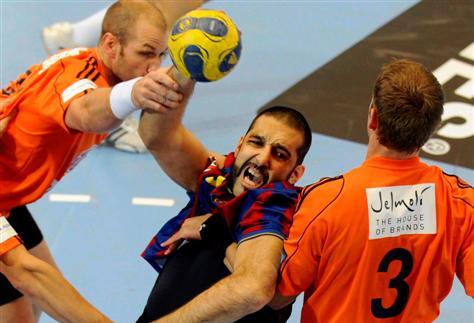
(161, 131)
(178, 152)
(59, 299)
(93, 113)
(48, 288)
(250, 287)
(228, 300)
(157, 129)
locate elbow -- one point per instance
(259, 291)
(261, 297)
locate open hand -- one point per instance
(157, 91)
(188, 231)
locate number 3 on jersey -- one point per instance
(397, 282)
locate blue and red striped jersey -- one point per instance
(265, 210)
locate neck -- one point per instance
(112, 79)
(375, 149)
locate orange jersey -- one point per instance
(380, 244)
(38, 148)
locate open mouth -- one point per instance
(254, 176)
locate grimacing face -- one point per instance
(143, 52)
(267, 153)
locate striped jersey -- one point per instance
(267, 210)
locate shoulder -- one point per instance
(316, 202)
(324, 191)
(459, 189)
(79, 67)
(71, 56)
(275, 193)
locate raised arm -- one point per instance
(250, 287)
(47, 287)
(178, 152)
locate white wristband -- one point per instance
(121, 102)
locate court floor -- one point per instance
(97, 241)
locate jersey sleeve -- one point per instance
(465, 265)
(266, 211)
(74, 73)
(464, 207)
(303, 248)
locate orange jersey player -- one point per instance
(38, 147)
(55, 113)
(86, 33)
(383, 242)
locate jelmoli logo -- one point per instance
(407, 203)
(397, 210)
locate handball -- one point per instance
(204, 45)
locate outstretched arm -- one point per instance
(103, 109)
(178, 152)
(47, 287)
(250, 287)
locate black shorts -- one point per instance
(24, 224)
(192, 269)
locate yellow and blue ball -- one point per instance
(204, 45)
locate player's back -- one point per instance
(389, 237)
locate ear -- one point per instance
(296, 174)
(372, 122)
(239, 145)
(110, 45)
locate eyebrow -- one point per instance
(149, 46)
(257, 137)
(277, 145)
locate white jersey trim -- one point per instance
(76, 88)
(6, 230)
